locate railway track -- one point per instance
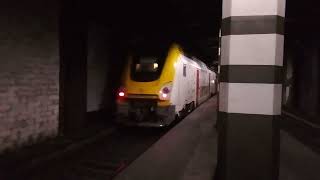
(103, 159)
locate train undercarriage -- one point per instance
(145, 112)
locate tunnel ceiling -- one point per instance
(302, 19)
(194, 24)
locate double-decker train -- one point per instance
(160, 85)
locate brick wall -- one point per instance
(29, 72)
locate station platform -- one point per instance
(189, 152)
(297, 161)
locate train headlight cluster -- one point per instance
(165, 91)
(121, 92)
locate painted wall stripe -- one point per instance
(251, 74)
(253, 49)
(258, 134)
(250, 98)
(253, 117)
(237, 25)
(253, 7)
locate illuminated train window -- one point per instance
(148, 62)
(147, 66)
(145, 69)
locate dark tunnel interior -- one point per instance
(302, 60)
(194, 25)
(126, 25)
(62, 63)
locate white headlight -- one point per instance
(165, 91)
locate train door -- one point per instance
(197, 88)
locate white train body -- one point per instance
(193, 83)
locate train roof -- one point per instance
(197, 62)
(200, 63)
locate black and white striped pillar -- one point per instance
(250, 89)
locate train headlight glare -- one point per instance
(165, 91)
(121, 94)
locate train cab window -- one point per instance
(147, 66)
(147, 60)
(184, 70)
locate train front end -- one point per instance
(144, 99)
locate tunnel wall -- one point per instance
(98, 59)
(29, 72)
(302, 54)
(306, 80)
(302, 95)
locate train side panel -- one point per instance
(176, 96)
(203, 86)
(184, 90)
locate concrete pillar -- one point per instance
(73, 68)
(250, 88)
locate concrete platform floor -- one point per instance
(297, 161)
(189, 152)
